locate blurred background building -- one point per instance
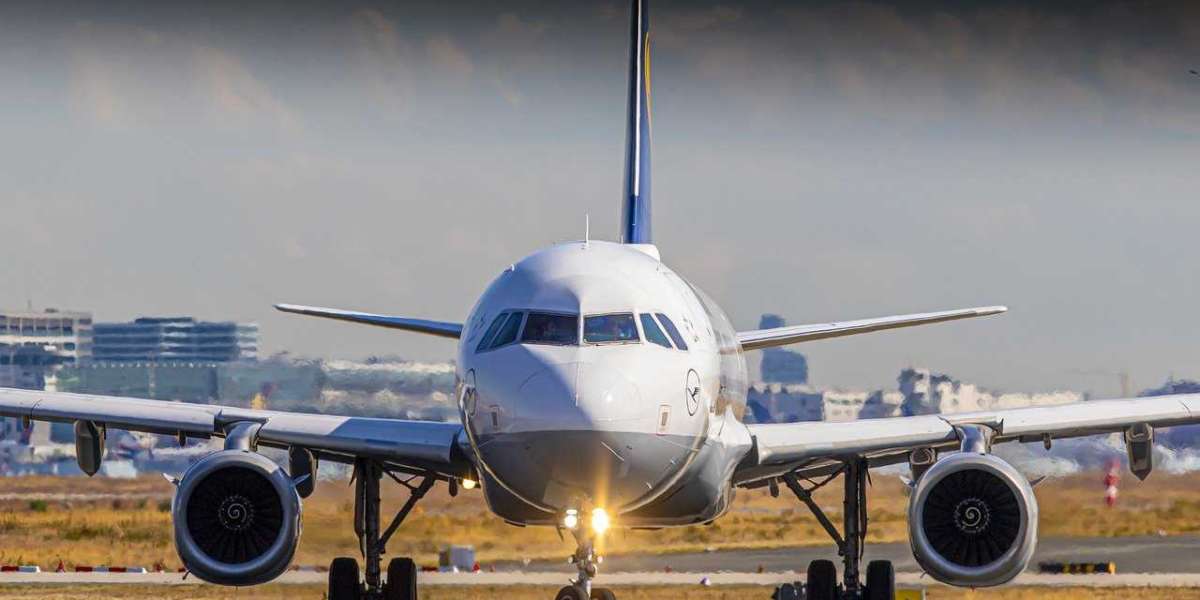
(175, 339)
(781, 365)
(66, 335)
(784, 393)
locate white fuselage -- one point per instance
(606, 415)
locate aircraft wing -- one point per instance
(417, 444)
(785, 447)
(438, 328)
(782, 336)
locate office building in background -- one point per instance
(64, 335)
(781, 365)
(175, 340)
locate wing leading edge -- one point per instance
(783, 447)
(438, 328)
(419, 444)
(782, 336)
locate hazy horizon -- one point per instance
(818, 160)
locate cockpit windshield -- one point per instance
(652, 332)
(491, 332)
(508, 333)
(546, 328)
(672, 331)
(610, 329)
(559, 329)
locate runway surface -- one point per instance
(1180, 554)
(1141, 561)
(1140, 580)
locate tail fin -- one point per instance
(635, 217)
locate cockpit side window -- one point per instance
(546, 328)
(653, 333)
(610, 329)
(508, 333)
(672, 331)
(491, 332)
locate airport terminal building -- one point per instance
(66, 335)
(174, 340)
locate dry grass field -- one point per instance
(127, 522)
(297, 592)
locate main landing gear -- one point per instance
(401, 583)
(822, 581)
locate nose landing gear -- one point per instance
(573, 593)
(587, 562)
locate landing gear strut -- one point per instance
(587, 563)
(401, 572)
(822, 574)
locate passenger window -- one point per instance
(543, 328)
(672, 331)
(508, 333)
(654, 335)
(607, 329)
(491, 332)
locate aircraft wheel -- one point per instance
(881, 580)
(571, 593)
(401, 579)
(603, 594)
(822, 581)
(786, 591)
(343, 579)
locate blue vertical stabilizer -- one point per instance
(635, 213)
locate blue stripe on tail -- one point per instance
(635, 215)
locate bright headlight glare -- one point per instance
(468, 484)
(600, 521)
(571, 520)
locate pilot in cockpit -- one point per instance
(610, 328)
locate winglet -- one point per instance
(438, 328)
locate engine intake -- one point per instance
(972, 521)
(237, 518)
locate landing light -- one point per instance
(468, 484)
(599, 520)
(571, 520)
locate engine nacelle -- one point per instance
(972, 520)
(237, 518)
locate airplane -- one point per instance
(597, 388)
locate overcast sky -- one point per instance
(819, 160)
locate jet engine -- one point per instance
(972, 520)
(237, 518)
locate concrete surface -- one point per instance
(1141, 562)
(1132, 554)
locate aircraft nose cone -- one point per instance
(580, 430)
(607, 396)
(579, 395)
(545, 398)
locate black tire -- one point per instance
(401, 579)
(570, 593)
(603, 594)
(343, 579)
(881, 580)
(786, 591)
(822, 581)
